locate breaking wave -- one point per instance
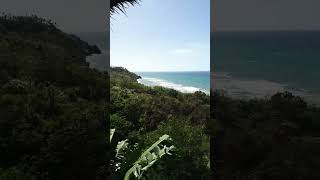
(160, 82)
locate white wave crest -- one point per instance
(259, 88)
(160, 82)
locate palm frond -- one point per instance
(149, 157)
(117, 6)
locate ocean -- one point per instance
(259, 64)
(187, 82)
(244, 65)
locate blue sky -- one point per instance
(162, 35)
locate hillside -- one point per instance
(52, 105)
(54, 110)
(142, 114)
(54, 113)
(259, 139)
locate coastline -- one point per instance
(151, 82)
(245, 88)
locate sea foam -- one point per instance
(255, 88)
(160, 82)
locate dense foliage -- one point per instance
(260, 139)
(54, 119)
(143, 114)
(53, 111)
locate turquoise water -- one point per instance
(187, 82)
(182, 81)
(245, 64)
(266, 62)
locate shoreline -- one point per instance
(152, 82)
(246, 88)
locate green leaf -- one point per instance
(149, 157)
(111, 133)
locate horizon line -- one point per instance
(268, 30)
(174, 71)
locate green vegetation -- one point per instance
(53, 107)
(142, 114)
(260, 139)
(54, 112)
(54, 119)
(147, 158)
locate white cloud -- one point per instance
(182, 51)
